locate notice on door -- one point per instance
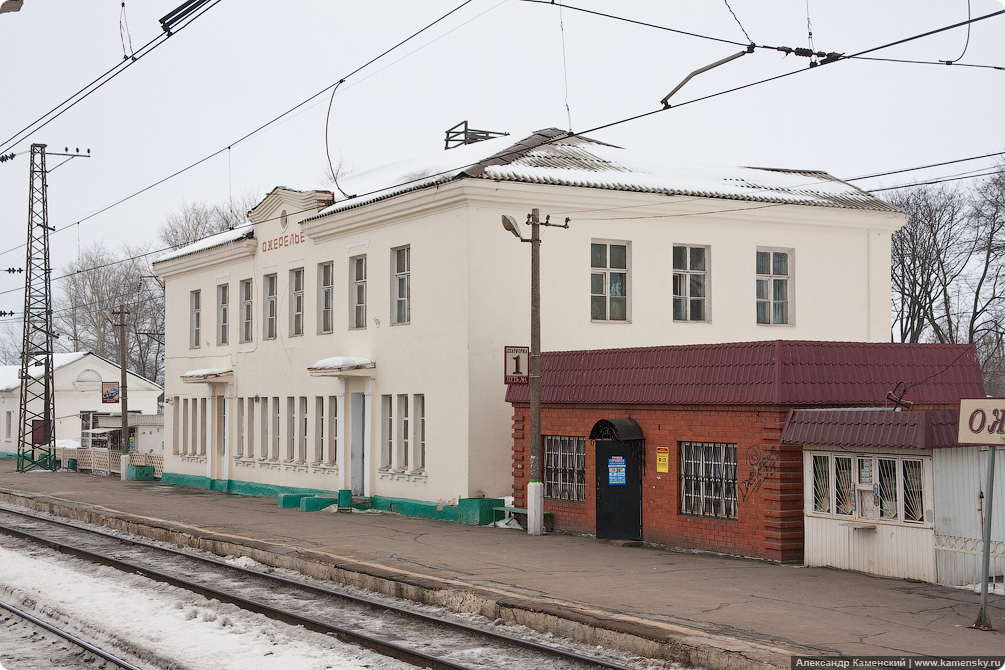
(616, 471)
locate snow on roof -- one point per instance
(205, 373)
(340, 363)
(244, 230)
(551, 156)
(8, 373)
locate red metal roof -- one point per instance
(778, 372)
(862, 428)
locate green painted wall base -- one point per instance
(8, 455)
(470, 511)
(134, 473)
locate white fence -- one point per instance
(100, 461)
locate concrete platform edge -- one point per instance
(586, 624)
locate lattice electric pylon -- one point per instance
(36, 437)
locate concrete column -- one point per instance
(367, 431)
(342, 454)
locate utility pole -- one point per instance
(122, 313)
(535, 488)
(36, 439)
(36, 431)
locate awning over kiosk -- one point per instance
(620, 430)
(207, 375)
(339, 365)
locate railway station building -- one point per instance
(357, 343)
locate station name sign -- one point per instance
(982, 421)
(282, 241)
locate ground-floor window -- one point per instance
(868, 487)
(708, 479)
(564, 467)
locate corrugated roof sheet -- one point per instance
(865, 429)
(778, 372)
(552, 156)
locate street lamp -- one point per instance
(535, 488)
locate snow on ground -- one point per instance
(169, 622)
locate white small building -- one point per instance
(357, 344)
(893, 493)
(77, 399)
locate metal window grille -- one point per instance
(565, 467)
(708, 479)
(914, 506)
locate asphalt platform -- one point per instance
(702, 609)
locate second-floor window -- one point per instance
(269, 315)
(326, 282)
(689, 283)
(296, 302)
(223, 313)
(774, 286)
(401, 308)
(247, 314)
(195, 319)
(609, 277)
(357, 265)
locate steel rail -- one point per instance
(380, 646)
(83, 644)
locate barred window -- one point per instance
(565, 467)
(708, 479)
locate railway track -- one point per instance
(78, 650)
(404, 633)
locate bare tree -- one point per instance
(194, 221)
(948, 269)
(97, 285)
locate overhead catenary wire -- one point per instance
(564, 136)
(256, 130)
(97, 83)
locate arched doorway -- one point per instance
(620, 452)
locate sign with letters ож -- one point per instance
(982, 421)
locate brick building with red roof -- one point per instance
(683, 445)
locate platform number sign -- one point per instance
(517, 365)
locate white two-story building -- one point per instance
(357, 343)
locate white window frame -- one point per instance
(604, 287)
(846, 502)
(401, 285)
(780, 310)
(357, 292)
(326, 297)
(247, 310)
(386, 431)
(296, 302)
(419, 439)
(401, 432)
(195, 319)
(223, 314)
(690, 282)
(708, 479)
(270, 290)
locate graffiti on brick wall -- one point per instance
(760, 463)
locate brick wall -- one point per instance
(769, 521)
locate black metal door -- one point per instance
(619, 490)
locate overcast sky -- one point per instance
(503, 65)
